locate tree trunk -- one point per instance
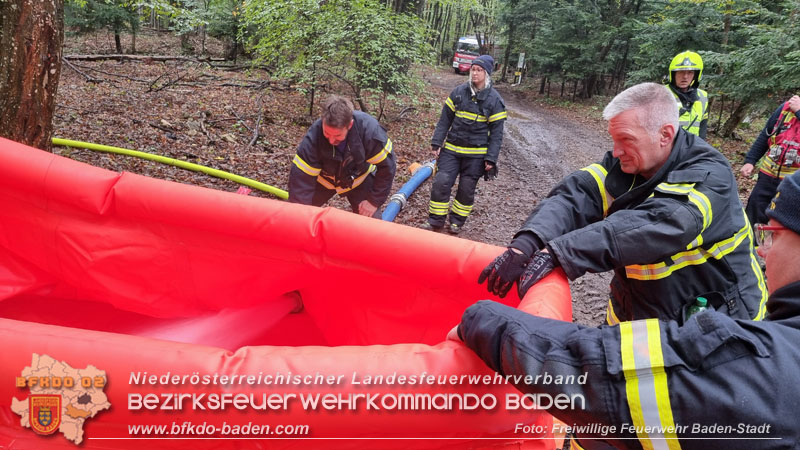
(186, 44)
(203, 40)
(737, 115)
(117, 42)
(509, 42)
(31, 37)
(446, 25)
(360, 100)
(133, 42)
(507, 56)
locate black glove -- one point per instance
(539, 266)
(503, 272)
(491, 173)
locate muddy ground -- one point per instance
(540, 146)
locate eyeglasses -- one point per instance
(764, 234)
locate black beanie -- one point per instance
(486, 62)
(785, 206)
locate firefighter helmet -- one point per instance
(687, 61)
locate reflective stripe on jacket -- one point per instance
(716, 382)
(471, 126)
(669, 239)
(368, 150)
(782, 158)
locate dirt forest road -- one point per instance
(540, 147)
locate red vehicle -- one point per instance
(467, 49)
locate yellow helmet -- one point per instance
(687, 61)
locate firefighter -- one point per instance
(685, 72)
(466, 143)
(715, 382)
(661, 210)
(345, 152)
(778, 143)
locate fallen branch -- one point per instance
(140, 80)
(128, 58)
(219, 63)
(89, 78)
(240, 119)
(403, 112)
(160, 127)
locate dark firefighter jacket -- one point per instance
(778, 134)
(716, 382)
(368, 150)
(472, 125)
(669, 239)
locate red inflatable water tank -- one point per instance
(225, 321)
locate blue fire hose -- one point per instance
(398, 200)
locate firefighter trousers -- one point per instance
(448, 167)
(759, 199)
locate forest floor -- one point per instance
(208, 115)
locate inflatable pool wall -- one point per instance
(157, 290)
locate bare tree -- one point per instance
(31, 36)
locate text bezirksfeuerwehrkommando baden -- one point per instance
(176, 401)
(354, 378)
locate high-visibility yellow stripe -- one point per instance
(611, 316)
(771, 168)
(305, 167)
(599, 174)
(631, 380)
(660, 383)
(449, 103)
(380, 156)
(646, 384)
(438, 208)
(687, 258)
(471, 116)
(466, 150)
(356, 182)
(698, 199)
(704, 205)
(681, 188)
(762, 285)
(461, 209)
(498, 116)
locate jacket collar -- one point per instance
(686, 98)
(784, 303)
(483, 93)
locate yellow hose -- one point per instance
(280, 193)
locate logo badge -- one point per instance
(45, 413)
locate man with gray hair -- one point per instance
(661, 210)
